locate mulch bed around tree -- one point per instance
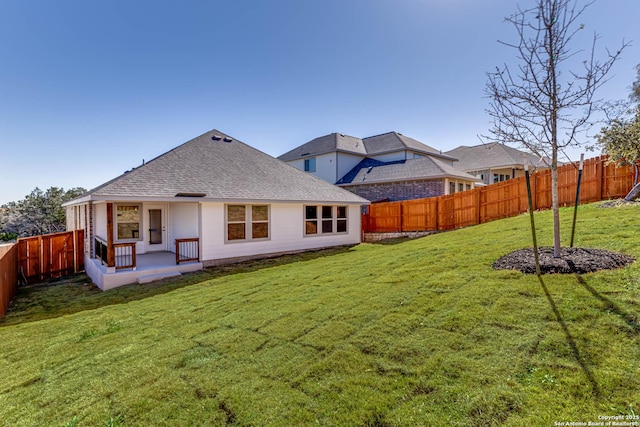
(572, 260)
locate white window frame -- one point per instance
(248, 223)
(116, 222)
(310, 164)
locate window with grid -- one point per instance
(325, 220)
(247, 222)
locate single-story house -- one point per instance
(390, 166)
(209, 201)
(495, 162)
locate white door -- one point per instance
(156, 235)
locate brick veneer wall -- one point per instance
(405, 190)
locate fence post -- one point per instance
(401, 217)
(534, 192)
(599, 177)
(478, 204)
(111, 259)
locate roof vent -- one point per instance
(191, 194)
(216, 137)
(227, 139)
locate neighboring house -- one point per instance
(210, 201)
(494, 162)
(405, 179)
(404, 168)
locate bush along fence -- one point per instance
(600, 181)
(8, 275)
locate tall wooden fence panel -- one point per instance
(617, 182)
(600, 181)
(386, 217)
(51, 255)
(8, 275)
(419, 215)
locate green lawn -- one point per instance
(420, 332)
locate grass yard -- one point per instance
(417, 333)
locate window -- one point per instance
(259, 222)
(247, 222)
(310, 220)
(325, 220)
(128, 222)
(310, 164)
(341, 219)
(460, 186)
(468, 186)
(452, 187)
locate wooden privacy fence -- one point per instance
(51, 255)
(600, 181)
(8, 275)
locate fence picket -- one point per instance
(600, 181)
(51, 255)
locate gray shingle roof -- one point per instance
(222, 169)
(370, 146)
(394, 141)
(326, 144)
(374, 171)
(492, 155)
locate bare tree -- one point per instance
(541, 104)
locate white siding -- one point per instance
(184, 220)
(298, 163)
(100, 219)
(287, 233)
(346, 162)
(391, 157)
(326, 167)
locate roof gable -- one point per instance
(491, 155)
(394, 141)
(366, 147)
(220, 167)
(326, 144)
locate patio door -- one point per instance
(157, 230)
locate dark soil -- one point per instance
(572, 260)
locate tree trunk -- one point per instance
(554, 203)
(633, 194)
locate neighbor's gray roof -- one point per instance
(222, 169)
(370, 146)
(371, 171)
(393, 141)
(326, 144)
(491, 155)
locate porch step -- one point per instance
(159, 276)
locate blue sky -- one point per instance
(88, 89)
